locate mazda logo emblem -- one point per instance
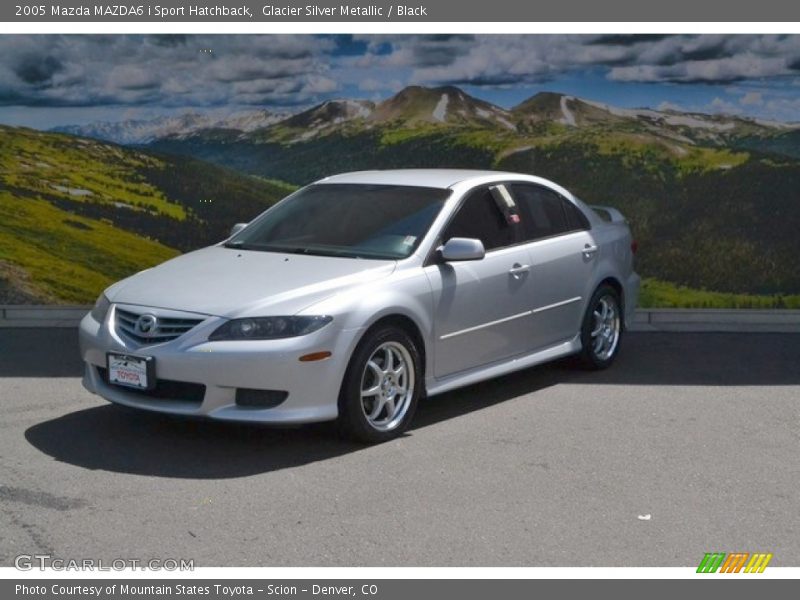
(146, 325)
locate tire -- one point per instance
(601, 330)
(381, 387)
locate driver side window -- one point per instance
(480, 217)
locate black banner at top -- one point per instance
(410, 11)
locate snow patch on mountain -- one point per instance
(625, 112)
(568, 118)
(495, 115)
(440, 112)
(358, 109)
(669, 117)
(696, 123)
(506, 123)
(351, 109)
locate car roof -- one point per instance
(435, 178)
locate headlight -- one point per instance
(268, 328)
(100, 309)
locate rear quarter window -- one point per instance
(545, 213)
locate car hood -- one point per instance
(229, 282)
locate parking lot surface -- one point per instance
(688, 444)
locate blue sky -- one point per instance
(47, 80)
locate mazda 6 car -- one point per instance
(358, 295)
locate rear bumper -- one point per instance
(222, 367)
(631, 297)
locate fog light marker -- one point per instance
(315, 356)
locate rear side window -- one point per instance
(544, 213)
(480, 217)
(576, 220)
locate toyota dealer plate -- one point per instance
(131, 371)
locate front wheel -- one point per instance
(381, 387)
(601, 330)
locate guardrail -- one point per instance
(18, 315)
(646, 319)
(716, 320)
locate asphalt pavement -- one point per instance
(688, 444)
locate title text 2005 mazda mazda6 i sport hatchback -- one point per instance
(357, 295)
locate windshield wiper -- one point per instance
(240, 245)
(343, 253)
(314, 251)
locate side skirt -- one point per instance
(464, 378)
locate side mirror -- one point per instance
(237, 228)
(458, 249)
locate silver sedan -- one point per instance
(358, 295)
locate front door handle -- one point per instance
(517, 270)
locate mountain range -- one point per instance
(144, 131)
(714, 200)
(447, 106)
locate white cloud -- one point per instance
(132, 77)
(752, 99)
(783, 109)
(320, 84)
(722, 70)
(163, 70)
(372, 84)
(178, 70)
(494, 59)
(718, 105)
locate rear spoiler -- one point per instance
(609, 214)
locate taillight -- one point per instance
(634, 246)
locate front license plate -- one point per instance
(131, 371)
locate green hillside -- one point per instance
(79, 214)
(787, 143)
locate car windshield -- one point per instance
(350, 220)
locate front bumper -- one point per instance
(222, 367)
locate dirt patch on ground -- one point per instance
(16, 286)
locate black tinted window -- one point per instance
(544, 213)
(480, 217)
(357, 220)
(576, 220)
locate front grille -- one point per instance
(165, 389)
(165, 329)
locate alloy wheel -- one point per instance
(605, 332)
(387, 386)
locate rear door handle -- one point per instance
(517, 270)
(589, 249)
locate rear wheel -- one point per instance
(381, 387)
(601, 330)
